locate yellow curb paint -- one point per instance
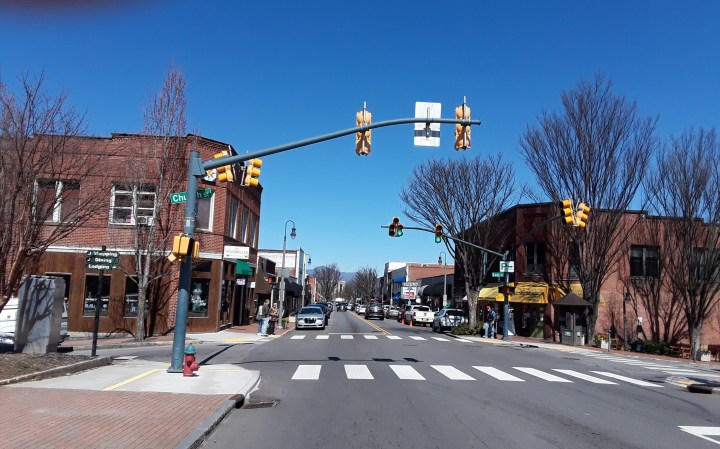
(235, 340)
(132, 379)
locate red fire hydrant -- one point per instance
(190, 364)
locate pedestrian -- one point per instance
(264, 312)
(259, 318)
(489, 322)
(273, 319)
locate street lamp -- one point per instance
(281, 300)
(442, 258)
(627, 299)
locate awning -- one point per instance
(399, 280)
(525, 292)
(421, 290)
(292, 288)
(578, 290)
(436, 289)
(396, 295)
(243, 268)
(261, 284)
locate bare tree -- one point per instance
(158, 170)
(684, 191)
(464, 196)
(49, 182)
(350, 292)
(328, 280)
(365, 280)
(596, 151)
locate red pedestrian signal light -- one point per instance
(438, 233)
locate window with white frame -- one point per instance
(244, 226)
(232, 228)
(203, 217)
(57, 201)
(132, 204)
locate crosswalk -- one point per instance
(667, 367)
(474, 373)
(375, 337)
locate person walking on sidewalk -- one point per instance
(264, 313)
(489, 322)
(273, 319)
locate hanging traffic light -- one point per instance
(363, 139)
(395, 229)
(399, 230)
(226, 173)
(462, 132)
(567, 211)
(438, 233)
(581, 215)
(252, 172)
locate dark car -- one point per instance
(374, 310)
(325, 308)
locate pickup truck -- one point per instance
(419, 314)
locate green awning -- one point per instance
(243, 268)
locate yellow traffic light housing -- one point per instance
(184, 245)
(462, 132)
(567, 211)
(581, 215)
(226, 173)
(363, 139)
(252, 172)
(438, 233)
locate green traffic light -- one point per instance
(438, 239)
(399, 232)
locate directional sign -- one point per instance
(181, 197)
(411, 284)
(102, 260)
(507, 267)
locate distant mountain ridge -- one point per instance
(345, 276)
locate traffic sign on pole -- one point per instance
(102, 260)
(507, 266)
(181, 197)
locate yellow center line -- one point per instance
(132, 379)
(374, 326)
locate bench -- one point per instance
(714, 352)
(682, 351)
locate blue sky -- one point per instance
(262, 74)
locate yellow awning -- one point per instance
(525, 292)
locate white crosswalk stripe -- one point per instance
(394, 337)
(497, 374)
(462, 340)
(593, 379)
(307, 372)
(406, 372)
(346, 337)
(322, 337)
(452, 373)
(418, 338)
(297, 337)
(355, 372)
(439, 339)
(541, 374)
(630, 380)
(370, 337)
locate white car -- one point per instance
(360, 309)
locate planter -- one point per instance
(705, 357)
(603, 344)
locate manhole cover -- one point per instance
(260, 404)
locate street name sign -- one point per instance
(427, 136)
(498, 274)
(181, 197)
(507, 267)
(102, 260)
(411, 284)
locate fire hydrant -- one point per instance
(190, 364)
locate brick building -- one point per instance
(227, 224)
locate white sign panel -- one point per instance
(507, 267)
(236, 252)
(427, 136)
(409, 293)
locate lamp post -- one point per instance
(627, 299)
(281, 299)
(442, 258)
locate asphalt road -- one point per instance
(381, 384)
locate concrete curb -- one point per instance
(139, 344)
(195, 438)
(60, 370)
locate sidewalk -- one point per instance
(129, 404)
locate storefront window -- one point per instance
(91, 289)
(131, 297)
(198, 304)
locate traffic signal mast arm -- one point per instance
(198, 168)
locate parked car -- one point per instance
(446, 319)
(419, 315)
(392, 312)
(360, 309)
(374, 310)
(310, 316)
(325, 309)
